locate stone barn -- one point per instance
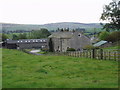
(61, 41)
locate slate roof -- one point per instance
(99, 43)
(61, 35)
(26, 41)
(1, 42)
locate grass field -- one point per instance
(115, 47)
(21, 70)
(0, 68)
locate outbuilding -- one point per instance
(102, 44)
(27, 44)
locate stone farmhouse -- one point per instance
(26, 44)
(61, 41)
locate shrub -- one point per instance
(70, 49)
(90, 47)
(44, 49)
(113, 37)
(103, 35)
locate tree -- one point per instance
(113, 37)
(14, 37)
(37, 34)
(4, 37)
(111, 13)
(61, 29)
(22, 36)
(67, 29)
(103, 35)
(45, 33)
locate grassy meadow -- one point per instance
(0, 68)
(22, 70)
(114, 47)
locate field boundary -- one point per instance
(101, 54)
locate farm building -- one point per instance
(93, 39)
(103, 44)
(61, 41)
(27, 44)
(1, 44)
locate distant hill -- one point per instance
(50, 26)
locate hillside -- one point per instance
(50, 26)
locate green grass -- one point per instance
(28, 50)
(21, 70)
(114, 47)
(0, 68)
(42, 52)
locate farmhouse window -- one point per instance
(79, 35)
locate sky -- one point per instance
(51, 11)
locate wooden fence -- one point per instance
(107, 54)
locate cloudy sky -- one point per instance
(51, 11)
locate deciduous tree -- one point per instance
(103, 35)
(113, 37)
(111, 14)
(4, 37)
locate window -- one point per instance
(68, 47)
(43, 46)
(79, 35)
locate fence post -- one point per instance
(93, 53)
(118, 56)
(78, 54)
(115, 56)
(90, 54)
(85, 54)
(82, 54)
(105, 55)
(109, 55)
(101, 53)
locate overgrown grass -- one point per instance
(0, 68)
(42, 52)
(114, 47)
(21, 70)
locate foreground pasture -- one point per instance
(21, 70)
